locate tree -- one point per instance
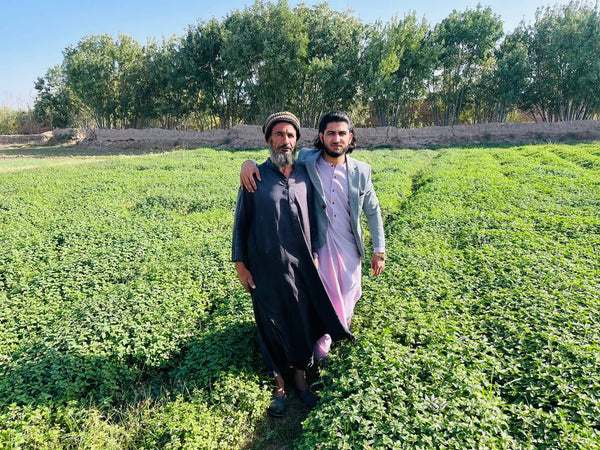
(464, 42)
(501, 88)
(90, 70)
(55, 105)
(564, 58)
(106, 76)
(396, 65)
(132, 99)
(269, 57)
(270, 45)
(330, 75)
(214, 81)
(168, 96)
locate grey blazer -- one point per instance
(361, 195)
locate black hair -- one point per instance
(335, 116)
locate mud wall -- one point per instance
(250, 136)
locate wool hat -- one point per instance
(283, 116)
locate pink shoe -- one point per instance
(322, 346)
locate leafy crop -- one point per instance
(119, 304)
(122, 324)
(483, 332)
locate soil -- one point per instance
(251, 137)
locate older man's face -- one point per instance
(283, 144)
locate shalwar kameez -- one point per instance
(272, 236)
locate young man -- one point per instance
(273, 252)
(342, 190)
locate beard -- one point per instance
(335, 153)
(283, 159)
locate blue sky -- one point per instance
(33, 34)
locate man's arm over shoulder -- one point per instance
(248, 172)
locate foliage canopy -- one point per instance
(269, 56)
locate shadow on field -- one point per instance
(44, 372)
(230, 346)
(234, 350)
(281, 433)
(53, 371)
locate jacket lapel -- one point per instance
(311, 168)
(353, 180)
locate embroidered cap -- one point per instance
(283, 116)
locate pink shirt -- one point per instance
(339, 260)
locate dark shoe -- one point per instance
(277, 406)
(309, 398)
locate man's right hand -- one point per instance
(245, 276)
(247, 173)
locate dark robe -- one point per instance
(272, 236)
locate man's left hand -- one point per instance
(377, 265)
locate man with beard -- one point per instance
(273, 252)
(342, 189)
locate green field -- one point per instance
(122, 324)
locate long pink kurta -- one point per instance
(339, 260)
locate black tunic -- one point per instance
(272, 236)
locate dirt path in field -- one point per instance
(133, 141)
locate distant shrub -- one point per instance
(18, 122)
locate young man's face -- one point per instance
(283, 144)
(336, 138)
